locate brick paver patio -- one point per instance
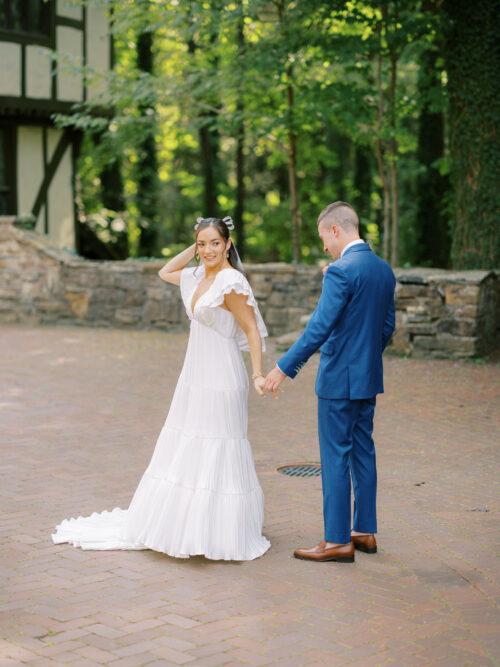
(71, 397)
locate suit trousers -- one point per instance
(347, 452)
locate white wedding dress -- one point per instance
(200, 493)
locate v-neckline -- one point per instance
(193, 308)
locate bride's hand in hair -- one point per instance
(171, 272)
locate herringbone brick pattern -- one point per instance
(80, 410)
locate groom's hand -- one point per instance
(273, 380)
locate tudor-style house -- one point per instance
(37, 160)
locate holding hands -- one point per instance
(269, 384)
(258, 382)
(273, 380)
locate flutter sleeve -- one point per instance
(232, 280)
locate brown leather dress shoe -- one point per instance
(366, 543)
(341, 554)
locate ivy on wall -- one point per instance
(473, 66)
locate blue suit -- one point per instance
(351, 325)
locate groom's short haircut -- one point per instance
(340, 213)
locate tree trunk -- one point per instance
(147, 168)
(393, 169)
(112, 186)
(239, 210)
(362, 180)
(341, 145)
(292, 177)
(380, 155)
(208, 137)
(473, 64)
(292, 144)
(433, 245)
(209, 146)
(240, 142)
(113, 199)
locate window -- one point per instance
(27, 21)
(7, 170)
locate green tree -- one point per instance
(270, 109)
(473, 66)
(147, 163)
(433, 237)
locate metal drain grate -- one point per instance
(301, 470)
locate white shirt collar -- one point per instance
(349, 245)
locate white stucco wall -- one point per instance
(38, 79)
(29, 169)
(60, 197)
(10, 69)
(98, 48)
(69, 49)
(69, 10)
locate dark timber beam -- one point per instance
(55, 161)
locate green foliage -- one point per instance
(336, 59)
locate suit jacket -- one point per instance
(351, 325)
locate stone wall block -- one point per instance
(78, 302)
(80, 276)
(458, 295)
(410, 291)
(8, 293)
(154, 311)
(276, 299)
(9, 248)
(8, 306)
(49, 306)
(130, 316)
(127, 280)
(135, 297)
(468, 311)
(101, 312)
(457, 327)
(295, 316)
(107, 295)
(416, 313)
(7, 314)
(29, 291)
(276, 318)
(157, 292)
(424, 328)
(459, 346)
(446, 345)
(262, 284)
(400, 342)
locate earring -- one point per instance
(196, 256)
(227, 254)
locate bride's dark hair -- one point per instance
(223, 229)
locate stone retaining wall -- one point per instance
(43, 284)
(439, 313)
(446, 314)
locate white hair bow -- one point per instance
(228, 221)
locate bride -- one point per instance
(200, 494)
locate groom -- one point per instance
(351, 325)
